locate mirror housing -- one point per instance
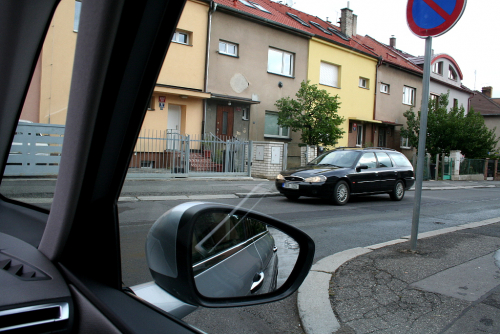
(360, 167)
(169, 255)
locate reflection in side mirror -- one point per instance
(234, 255)
(216, 255)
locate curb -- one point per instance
(313, 299)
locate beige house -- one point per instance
(251, 64)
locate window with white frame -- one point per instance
(363, 82)
(405, 143)
(452, 74)
(272, 129)
(181, 37)
(438, 68)
(409, 95)
(227, 48)
(384, 88)
(280, 62)
(78, 9)
(329, 74)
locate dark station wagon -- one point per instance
(338, 174)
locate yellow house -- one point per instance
(177, 101)
(341, 65)
(351, 76)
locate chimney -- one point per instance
(346, 22)
(487, 91)
(392, 41)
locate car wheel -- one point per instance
(292, 197)
(399, 191)
(341, 193)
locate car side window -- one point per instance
(400, 160)
(368, 159)
(215, 233)
(383, 160)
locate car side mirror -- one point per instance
(360, 167)
(216, 255)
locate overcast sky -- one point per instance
(474, 42)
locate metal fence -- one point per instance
(472, 166)
(176, 155)
(36, 150)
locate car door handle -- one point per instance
(257, 282)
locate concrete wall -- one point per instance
(246, 76)
(356, 103)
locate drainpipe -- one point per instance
(211, 10)
(379, 62)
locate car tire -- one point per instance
(399, 191)
(292, 197)
(341, 193)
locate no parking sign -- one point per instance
(433, 17)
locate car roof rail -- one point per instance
(379, 148)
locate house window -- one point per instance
(78, 9)
(455, 103)
(272, 129)
(244, 115)
(438, 68)
(181, 37)
(405, 143)
(435, 99)
(359, 135)
(384, 88)
(409, 95)
(452, 74)
(280, 62)
(363, 83)
(227, 48)
(260, 7)
(329, 74)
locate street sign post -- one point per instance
(427, 19)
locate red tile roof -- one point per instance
(315, 25)
(388, 54)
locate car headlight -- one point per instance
(280, 177)
(314, 179)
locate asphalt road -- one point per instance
(363, 221)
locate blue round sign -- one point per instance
(433, 17)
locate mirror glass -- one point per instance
(236, 255)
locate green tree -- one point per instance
(314, 112)
(452, 129)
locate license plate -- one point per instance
(291, 186)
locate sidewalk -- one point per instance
(450, 285)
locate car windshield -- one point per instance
(336, 158)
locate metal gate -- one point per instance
(169, 154)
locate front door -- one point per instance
(173, 127)
(224, 122)
(382, 137)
